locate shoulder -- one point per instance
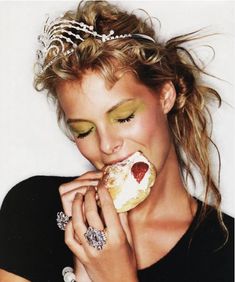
(34, 197)
(229, 222)
(212, 247)
(33, 189)
(38, 184)
(28, 217)
(217, 227)
(213, 231)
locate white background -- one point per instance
(31, 142)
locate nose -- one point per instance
(110, 141)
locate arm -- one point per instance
(10, 277)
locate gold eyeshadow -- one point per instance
(125, 110)
(122, 113)
(81, 126)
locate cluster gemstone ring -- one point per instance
(62, 220)
(95, 238)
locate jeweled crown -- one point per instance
(61, 37)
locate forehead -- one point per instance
(92, 93)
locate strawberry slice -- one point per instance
(138, 170)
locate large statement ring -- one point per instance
(95, 237)
(62, 220)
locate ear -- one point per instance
(167, 96)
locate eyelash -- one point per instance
(83, 135)
(127, 119)
(121, 120)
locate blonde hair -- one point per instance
(153, 64)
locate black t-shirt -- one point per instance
(32, 246)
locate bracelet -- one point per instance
(68, 274)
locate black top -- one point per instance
(32, 246)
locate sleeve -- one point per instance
(16, 235)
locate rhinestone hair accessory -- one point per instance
(60, 37)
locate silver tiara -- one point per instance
(60, 33)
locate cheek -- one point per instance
(152, 134)
(149, 128)
(87, 148)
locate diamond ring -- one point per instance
(95, 237)
(62, 220)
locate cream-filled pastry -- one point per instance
(129, 181)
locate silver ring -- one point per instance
(95, 237)
(62, 220)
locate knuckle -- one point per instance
(68, 241)
(61, 189)
(63, 197)
(119, 238)
(86, 261)
(77, 200)
(91, 213)
(93, 255)
(77, 227)
(88, 191)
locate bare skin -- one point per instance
(148, 232)
(6, 276)
(156, 225)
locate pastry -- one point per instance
(129, 181)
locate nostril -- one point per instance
(116, 148)
(110, 141)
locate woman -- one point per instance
(119, 90)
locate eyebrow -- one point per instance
(71, 120)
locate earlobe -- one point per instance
(168, 96)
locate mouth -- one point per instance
(120, 159)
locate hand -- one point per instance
(80, 184)
(80, 271)
(116, 261)
(67, 193)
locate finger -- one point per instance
(92, 175)
(76, 184)
(91, 210)
(78, 218)
(67, 198)
(125, 225)
(72, 243)
(110, 215)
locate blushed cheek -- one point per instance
(144, 130)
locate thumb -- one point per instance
(125, 225)
(80, 270)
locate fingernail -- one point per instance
(78, 195)
(90, 188)
(95, 183)
(100, 173)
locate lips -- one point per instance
(119, 159)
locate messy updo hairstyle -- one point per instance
(153, 64)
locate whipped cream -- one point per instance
(130, 187)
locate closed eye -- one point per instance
(126, 119)
(84, 134)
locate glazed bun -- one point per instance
(129, 181)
